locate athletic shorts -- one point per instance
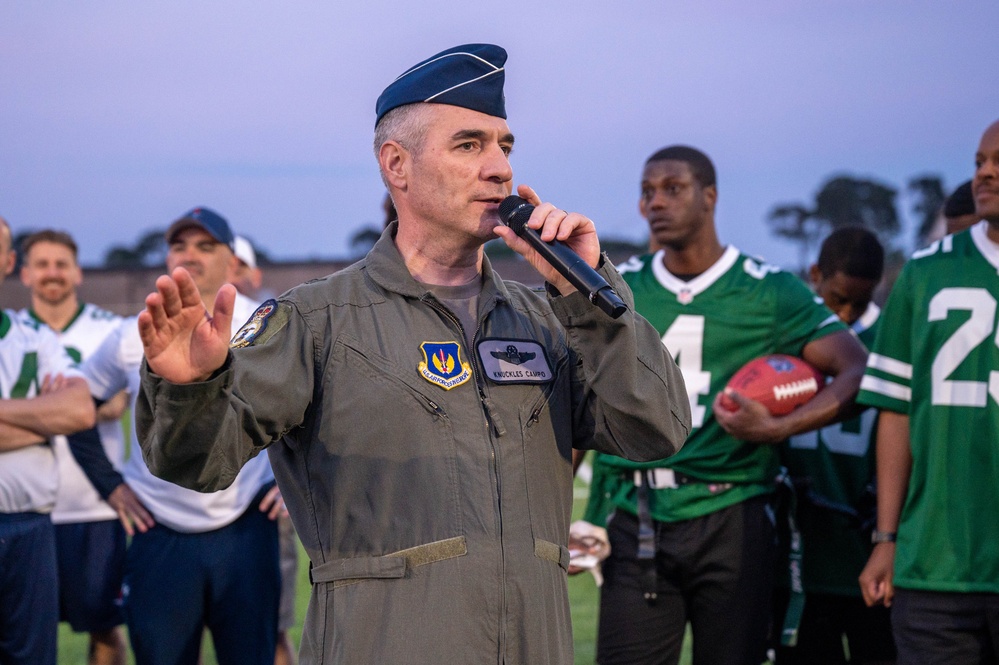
(91, 566)
(715, 571)
(944, 628)
(29, 590)
(226, 580)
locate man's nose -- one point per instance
(497, 166)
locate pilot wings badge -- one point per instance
(442, 364)
(514, 361)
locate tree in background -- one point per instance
(363, 240)
(928, 191)
(148, 251)
(842, 201)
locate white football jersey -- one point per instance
(28, 352)
(114, 367)
(77, 500)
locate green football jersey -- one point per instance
(833, 468)
(737, 310)
(936, 359)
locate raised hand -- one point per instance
(182, 342)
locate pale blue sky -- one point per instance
(117, 116)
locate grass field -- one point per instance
(583, 598)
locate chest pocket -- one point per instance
(388, 454)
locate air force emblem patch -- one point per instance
(514, 361)
(254, 326)
(442, 364)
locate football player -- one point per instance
(833, 472)
(90, 541)
(41, 395)
(692, 538)
(934, 374)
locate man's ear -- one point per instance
(711, 197)
(11, 262)
(815, 275)
(394, 161)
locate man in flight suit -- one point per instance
(427, 469)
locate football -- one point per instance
(781, 383)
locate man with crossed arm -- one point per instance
(43, 396)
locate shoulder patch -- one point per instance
(442, 364)
(261, 326)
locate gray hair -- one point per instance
(406, 125)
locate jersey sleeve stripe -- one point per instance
(889, 365)
(828, 321)
(886, 388)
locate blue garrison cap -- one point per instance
(470, 75)
(204, 218)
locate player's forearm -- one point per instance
(89, 453)
(842, 357)
(62, 411)
(114, 408)
(894, 464)
(13, 438)
(833, 403)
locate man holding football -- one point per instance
(692, 539)
(934, 374)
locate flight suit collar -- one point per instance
(385, 266)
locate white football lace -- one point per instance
(798, 387)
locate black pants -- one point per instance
(933, 627)
(715, 571)
(826, 620)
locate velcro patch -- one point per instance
(442, 364)
(514, 361)
(254, 326)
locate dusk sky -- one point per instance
(116, 117)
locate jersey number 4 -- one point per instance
(685, 340)
(979, 326)
(28, 377)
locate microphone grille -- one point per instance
(515, 212)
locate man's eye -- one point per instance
(506, 150)
(673, 190)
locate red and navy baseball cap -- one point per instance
(206, 219)
(470, 75)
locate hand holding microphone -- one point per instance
(515, 212)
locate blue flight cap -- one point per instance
(204, 218)
(470, 75)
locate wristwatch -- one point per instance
(882, 537)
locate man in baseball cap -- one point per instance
(206, 219)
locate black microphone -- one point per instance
(515, 213)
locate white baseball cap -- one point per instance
(243, 250)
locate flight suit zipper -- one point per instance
(495, 424)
